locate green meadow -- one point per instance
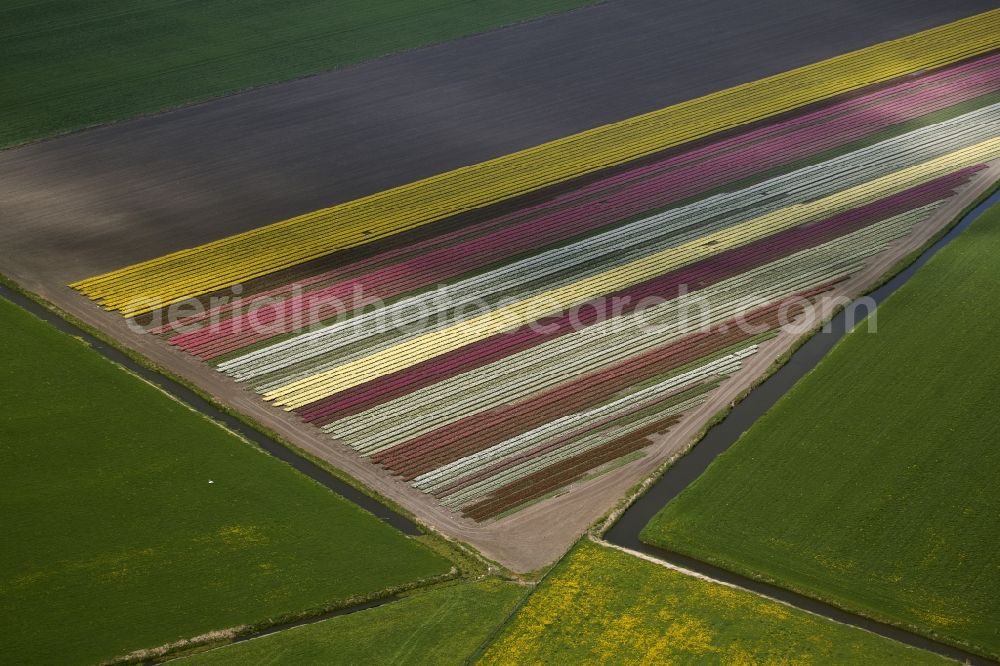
(873, 483)
(131, 521)
(440, 627)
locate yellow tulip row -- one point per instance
(172, 278)
(512, 316)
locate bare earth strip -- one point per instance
(95, 201)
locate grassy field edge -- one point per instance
(223, 637)
(841, 602)
(254, 619)
(601, 526)
(397, 632)
(662, 624)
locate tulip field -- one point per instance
(500, 332)
(200, 270)
(496, 333)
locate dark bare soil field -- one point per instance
(94, 201)
(70, 64)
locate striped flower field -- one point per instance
(494, 334)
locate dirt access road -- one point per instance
(94, 201)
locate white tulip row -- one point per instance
(429, 408)
(479, 489)
(615, 247)
(641, 398)
(604, 343)
(637, 401)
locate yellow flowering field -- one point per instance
(602, 605)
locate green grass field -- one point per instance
(68, 64)
(114, 539)
(440, 627)
(873, 483)
(601, 605)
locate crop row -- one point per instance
(143, 287)
(565, 333)
(514, 315)
(528, 373)
(582, 256)
(610, 200)
(339, 343)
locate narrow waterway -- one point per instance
(625, 532)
